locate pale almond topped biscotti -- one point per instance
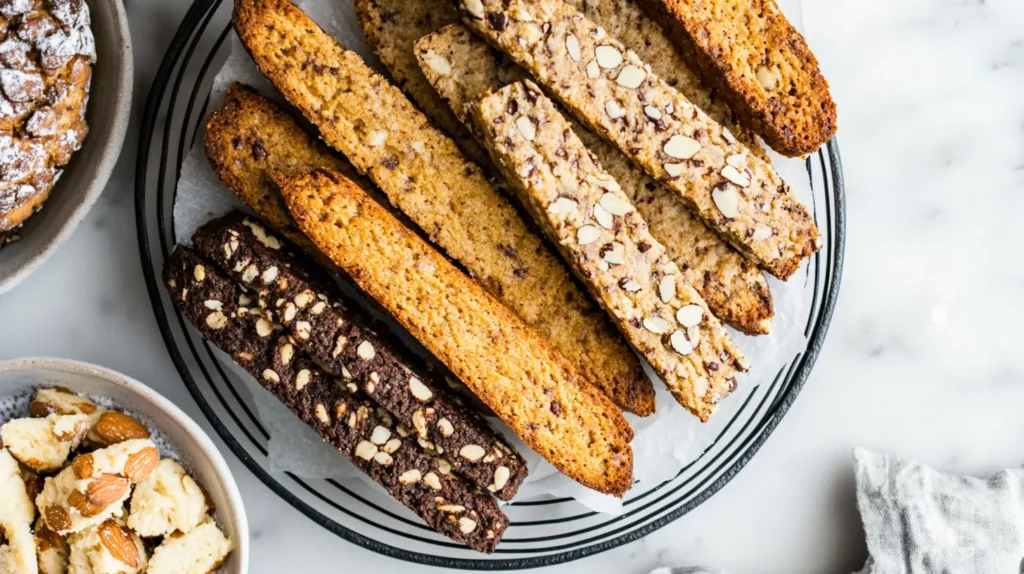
(504, 362)
(461, 67)
(606, 241)
(612, 90)
(759, 63)
(425, 176)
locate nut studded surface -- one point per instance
(325, 324)
(504, 362)
(391, 27)
(461, 67)
(248, 138)
(614, 92)
(346, 421)
(423, 174)
(601, 234)
(759, 63)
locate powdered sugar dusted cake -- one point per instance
(46, 56)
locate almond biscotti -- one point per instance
(612, 90)
(504, 362)
(759, 63)
(358, 429)
(423, 174)
(345, 342)
(606, 241)
(391, 27)
(461, 67)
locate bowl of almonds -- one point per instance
(98, 473)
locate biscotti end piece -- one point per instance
(761, 65)
(505, 363)
(608, 87)
(462, 67)
(604, 238)
(340, 414)
(447, 197)
(345, 342)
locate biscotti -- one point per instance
(606, 241)
(426, 177)
(762, 66)
(391, 27)
(363, 433)
(461, 67)
(325, 325)
(613, 91)
(504, 362)
(249, 138)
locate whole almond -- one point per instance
(114, 427)
(83, 466)
(101, 493)
(58, 519)
(119, 543)
(141, 464)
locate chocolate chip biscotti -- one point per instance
(358, 429)
(609, 88)
(294, 293)
(426, 177)
(461, 67)
(749, 51)
(606, 241)
(391, 27)
(504, 362)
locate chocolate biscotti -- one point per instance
(609, 88)
(753, 56)
(606, 241)
(461, 67)
(425, 175)
(504, 362)
(326, 325)
(358, 429)
(391, 27)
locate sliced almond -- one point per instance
(472, 452)
(681, 147)
(608, 57)
(526, 128)
(587, 234)
(199, 273)
(437, 62)
(366, 351)
(614, 204)
(302, 379)
(432, 480)
(467, 525)
(667, 288)
(572, 45)
(613, 109)
(592, 70)
(615, 253)
(562, 205)
(765, 77)
(727, 200)
(603, 218)
(419, 390)
(763, 232)
(501, 475)
(264, 328)
(475, 8)
(732, 174)
(411, 476)
(690, 315)
(445, 426)
(656, 325)
(380, 435)
(674, 169)
(680, 343)
(631, 77)
(629, 285)
(366, 449)
(652, 112)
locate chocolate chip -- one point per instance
(497, 20)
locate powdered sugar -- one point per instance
(20, 159)
(10, 8)
(21, 86)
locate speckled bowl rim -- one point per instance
(204, 445)
(99, 173)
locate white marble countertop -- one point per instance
(920, 360)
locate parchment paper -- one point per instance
(663, 443)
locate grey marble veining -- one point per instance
(922, 360)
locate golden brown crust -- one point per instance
(428, 179)
(462, 67)
(760, 63)
(504, 362)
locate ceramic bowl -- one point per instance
(86, 175)
(191, 444)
